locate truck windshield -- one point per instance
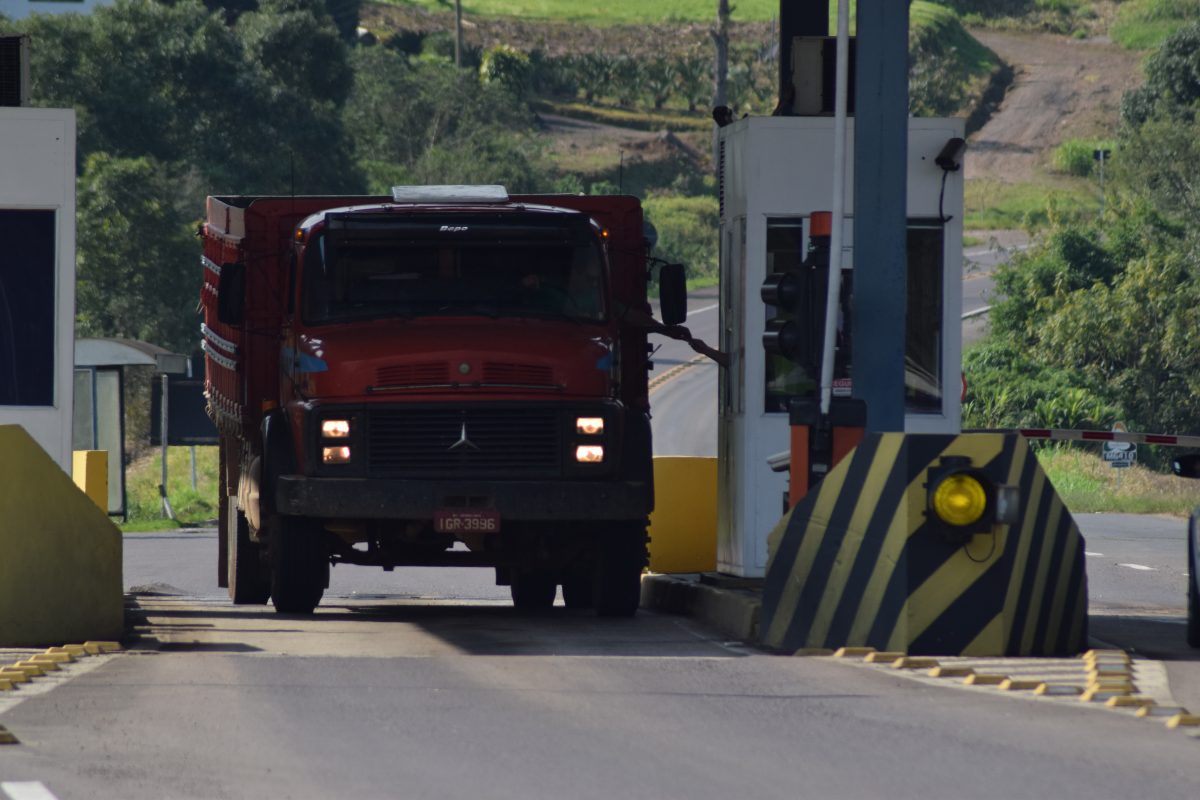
(369, 268)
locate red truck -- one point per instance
(450, 376)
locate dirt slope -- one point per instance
(1064, 88)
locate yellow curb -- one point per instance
(6, 737)
(1110, 688)
(32, 670)
(951, 672)
(76, 650)
(852, 652)
(1109, 672)
(1183, 721)
(1015, 685)
(882, 656)
(1128, 700)
(914, 662)
(1159, 711)
(984, 680)
(813, 651)
(1053, 689)
(1106, 654)
(61, 658)
(46, 664)
(14, 675)
(95, 648)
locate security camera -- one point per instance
(950, 159)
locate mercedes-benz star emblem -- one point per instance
(463, 441)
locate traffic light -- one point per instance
(798, 294)
(962, 500)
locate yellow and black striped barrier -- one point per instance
(865, 559)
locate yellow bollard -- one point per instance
(683, 525)
(89, 470)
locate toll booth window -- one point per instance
(27, 329)
(786, 249)
(923, 334)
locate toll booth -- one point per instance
(774, 173)
(37, 274)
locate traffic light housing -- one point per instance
(799, 293)
(962, 500)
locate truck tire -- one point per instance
(621, 557)
(533, 589)
(299, 565)
(248, 577)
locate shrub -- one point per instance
(508, 67)
(1078, 156)
(687, 232)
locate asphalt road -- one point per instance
(437, 698)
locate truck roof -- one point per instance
(512, 207)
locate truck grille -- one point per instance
(498, 443)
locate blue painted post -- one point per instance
(880, 219)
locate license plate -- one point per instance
(474, 520)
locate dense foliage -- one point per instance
(1098, 321)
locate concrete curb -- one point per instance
(731, 611)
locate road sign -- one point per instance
(1120, 454)
(1120, 458)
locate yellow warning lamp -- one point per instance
(962, 501)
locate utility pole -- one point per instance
(720, 35)
(458, 38)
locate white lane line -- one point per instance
(26, 790)
(1142, 567)
(1091, 554)
(702, 310)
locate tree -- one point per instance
(1172, 87)
(138, 275)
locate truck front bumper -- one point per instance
(532, 501)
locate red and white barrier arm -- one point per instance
(1055, 434)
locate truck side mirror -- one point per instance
(231, 294)
(1187, 466)
(672, 294)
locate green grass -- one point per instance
(972, 55)
(632, 12)
(1087, 484)
(992, 205)
(1143, 24)
(191, 506)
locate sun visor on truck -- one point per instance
(493, 229)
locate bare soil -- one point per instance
(1063, 89)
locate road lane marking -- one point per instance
(26, 790)
(702, 310)
(1142, 567)
(1092, 555)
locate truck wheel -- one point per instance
(621, 559)
(1193, 617)
(299, 565)
(533, 590)
(249, 579)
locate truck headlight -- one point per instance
(589, 454)
(335, 429)
(335, 455)
(589, 426)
